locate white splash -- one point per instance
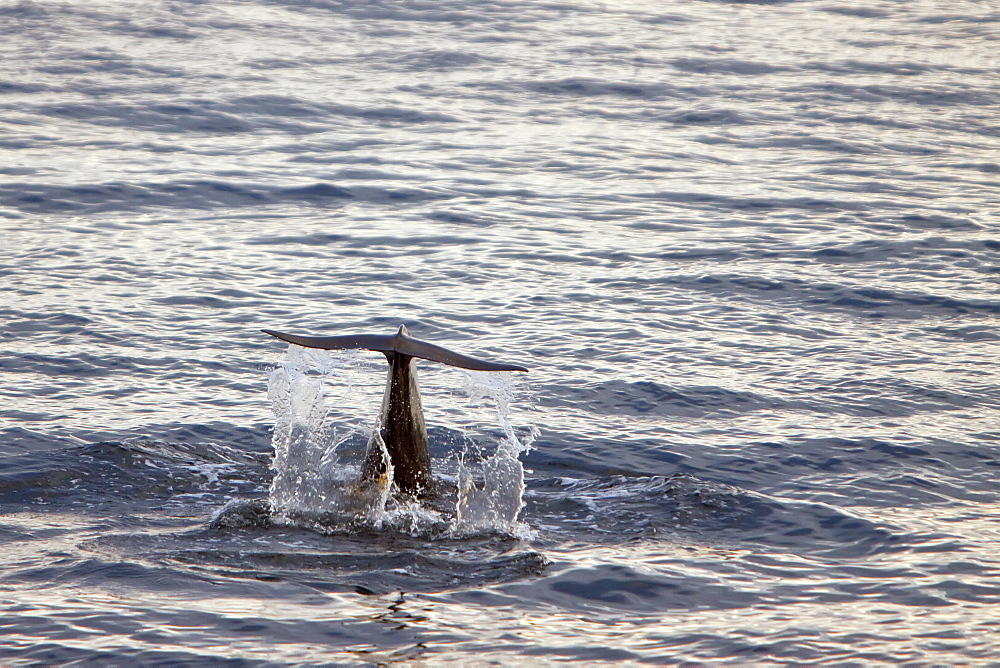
(310, 480)
(326, 406)
(492, 497)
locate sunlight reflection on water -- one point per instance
(748, 251)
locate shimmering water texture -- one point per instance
(748, 250)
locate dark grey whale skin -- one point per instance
(401, 424)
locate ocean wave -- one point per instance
(196, 194)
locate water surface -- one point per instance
(749, 251)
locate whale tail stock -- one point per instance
(401, 342)
(402, 436)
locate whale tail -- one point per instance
(401, 342)
(402, 436)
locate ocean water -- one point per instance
(748, 250)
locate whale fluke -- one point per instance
(401, 435)
(400, 342)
